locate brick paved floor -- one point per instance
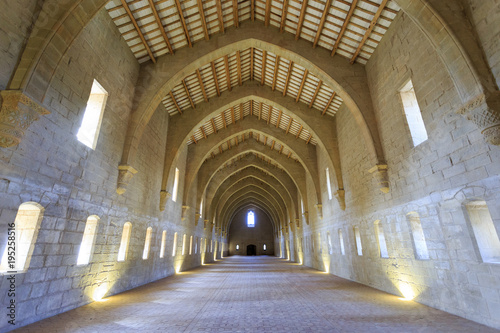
(254, 294)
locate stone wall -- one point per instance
(434, 179)
(240, 234)
(51, 167)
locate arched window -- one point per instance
(190, 245)
(88, 240)
(418, 237)
(163, 242)
(184, 237)
(127, 231)
(176, 185)
(379, 233)
(92, 117)
(357, 238)
(484, 231)
(264, 247)
(22, 234)
(341, 241)
(174, 249)
(250, 219)
(329, 240)
(237, 247)
(147, 243)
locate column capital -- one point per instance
(484, 111)
(125, 174)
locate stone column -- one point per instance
(17, 113)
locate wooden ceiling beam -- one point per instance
(268, 12)
(160, 26)
(139, 32)
(251, 64)
(203, 21)
(213, 125)
(281, 149)
(238, 60)
(283, 15)
(241, 111)
(276, 68)
(322, 22)
(369, 31)
(214, 73)
(315, 93)
(184, 26)
(175, 102)
(289, 154)
(279, 119)
(272, 145)
(228, 77)
(329, 102)
(344, 26)
(236, 18)
(263, 78)
(301, 19)
(251, 107)
(220, 16)
(301, 85)
(252, 9)
(200, 81)
(269, 114)
(287, 81)
(260, 111)
(220, 149)
(187, 93)
(224, 119)
(229, 144)
(310, 137)
(289, 124)
(196, 142)
(203, 132)
(300, 131)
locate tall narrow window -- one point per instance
(250, 219)
(379, 234)
(237, 247)
(359, 247)
(17, 256)
(92, 117)
(341, 241)
(127, 231)
(264, 247)
(176, 185)
(418, 237)
(328, 184)
(484, 231)
(413, 114)
(163, 243)
(201, 208)
(174, 248)
(329, 240)
(88, 240)
(147, 243)
(191, 245)
(196, 246)
(184, 238)
(302, 206)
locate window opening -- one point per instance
(147, 243)
(418, 237)
(328, 184)
(92, 117)
(250, 219)
(484, 231)
(413, 114)
(176, 185)
(88, 240)
(379, 233)
(341, 241)
(124, 243)
(163, 243)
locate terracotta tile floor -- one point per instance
(254, 294)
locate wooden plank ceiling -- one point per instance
(349, 28)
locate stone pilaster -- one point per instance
(340, 196)
(125, 174)
(197, 217)
(17, 113)
(164, 196)
(484, 111)
(205, 224)
(319, 210)
(379, 172)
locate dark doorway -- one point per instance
(251, 250)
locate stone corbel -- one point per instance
(17, 113)
(340, 196)
(184, 212)
(484, 111)
(125, 174)
(379, 172)
(319, 210)
(297, 223)
(164, 196)
(197, 217)
(205, 223)
(306, 216)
